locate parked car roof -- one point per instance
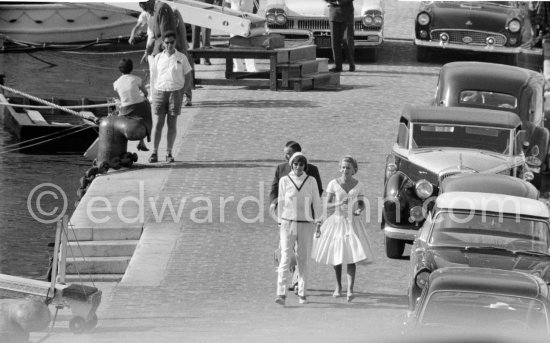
(491, 202)
(490, 183)
(487, 280)
(488, 76)
(461, 116)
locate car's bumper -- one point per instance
(362, 39)
(400, 233)
(467, 47)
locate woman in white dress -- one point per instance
(342, 239)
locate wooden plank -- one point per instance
(306, 52)
(36, 117)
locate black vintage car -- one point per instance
(481, 305)
(481, 229)
(434, 143)
(472, 26)
(505, 88)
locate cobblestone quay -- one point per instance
(210, 276)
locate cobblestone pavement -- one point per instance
(219, 285)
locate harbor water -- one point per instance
(35, 189)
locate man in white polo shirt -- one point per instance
(169, 70)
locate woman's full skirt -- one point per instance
(343, 240)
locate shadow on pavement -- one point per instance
(255, 104)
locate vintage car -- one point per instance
(478, 229)
(464, 304)
(490, 183)
(500, 87)
(476, 26)
(434, 143)
(307, 20)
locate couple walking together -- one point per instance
(340, 239)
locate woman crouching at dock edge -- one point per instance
(298, 196)
(133, 98)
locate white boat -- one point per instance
(63, 23)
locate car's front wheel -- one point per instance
(394, 247)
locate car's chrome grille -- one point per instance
(318, 25)
(313, 24)
(288, 25)
(476, 37)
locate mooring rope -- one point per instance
(42, 101)
(70, 131)
(107, 104)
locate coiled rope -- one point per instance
(90, 117)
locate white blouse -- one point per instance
(298, 195)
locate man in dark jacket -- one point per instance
(282, 170)
(341, 32)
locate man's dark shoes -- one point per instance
(352, 67)
(154, 158)
(169, 158)
(335, 70)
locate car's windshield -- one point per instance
(492, 100)
(478, 229)
(461, 136)
(484, 311)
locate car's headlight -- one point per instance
(421, 278)
(514, 25)
(533, 161)
(378, 20)
(391, 168)
(270, 17)
(423, 18)
(280, 19)
(368, 20)
(424, 189)
(416, 214)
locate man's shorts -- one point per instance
(168, 102)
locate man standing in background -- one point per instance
(164, 19)
(341, 32)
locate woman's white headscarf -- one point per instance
(296, 154)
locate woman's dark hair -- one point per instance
(294, 146)
(169, 34)
(125, 66)
(300, 158)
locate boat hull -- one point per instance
(63, 23)
(59, 134)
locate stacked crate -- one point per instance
(300, 69)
